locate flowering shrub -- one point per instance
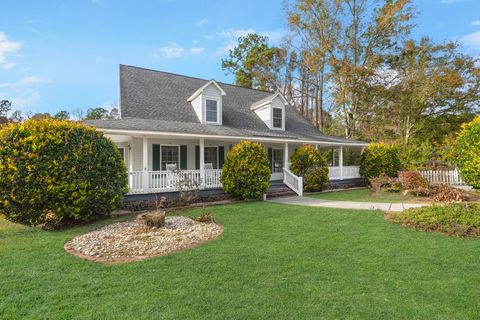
(54, 172)
(310, 164)
(246, 171)
(412, 180)
(379, 158)
(468, 152)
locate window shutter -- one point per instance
(197, 157)
(221, 156)
(183, 157)
(156, 157)
(270, 158)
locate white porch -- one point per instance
(160, 164)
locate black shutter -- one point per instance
(270, 158)
(183, 157)
(156, 157)
(221, 156)
(197, 157)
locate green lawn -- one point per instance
(363, 195)
(273, 262)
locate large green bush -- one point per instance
(379, 158)
(54, 172)
(468, 152)
(246, 171)
(310, 164)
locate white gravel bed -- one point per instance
(126, 241)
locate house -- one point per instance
(172, 122)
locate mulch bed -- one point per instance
(132, 241)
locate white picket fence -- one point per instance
(448, 177)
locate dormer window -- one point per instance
(211, 111)
(271, 110)
(277, 118)
(207, 103)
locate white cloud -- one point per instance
(475, 23)
(209, 36)
(7, 47)
(472, 40)
(23, 82)
(202, 22)
(23, 101)
(236, 33)
(171, 51)
(196, 50)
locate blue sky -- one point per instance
(61, 55)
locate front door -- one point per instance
(277, 164)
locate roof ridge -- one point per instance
(196, 78)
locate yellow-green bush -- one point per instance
(246, 171)
(55, 172)
(379, 158)
(310, 164)
(468, 152)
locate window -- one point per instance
(211, 156)
(211, 111)
(277, 163)
(122, 153)
(277, 118)
(170, 155)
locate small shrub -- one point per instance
(468, 152)
(379, 158)
(458, 219)
(205, 217)
(310, 164)
(154, 219)
(444, 193)
(413, 180)
(54, 172)
(394, 185)
(377, 183)
(246, 171)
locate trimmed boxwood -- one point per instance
(468, 152)
(310, 164)
(378, 158)
(54, 172)
(246, 171)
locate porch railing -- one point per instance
(345, 172)
(293, 182)
(448, 177)
(166, 181)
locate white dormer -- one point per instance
(272, 111)
(207, 103)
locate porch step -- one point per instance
(279, 189)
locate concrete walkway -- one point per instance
(313, 202)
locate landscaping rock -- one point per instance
(129, 241)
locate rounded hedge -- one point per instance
(468, 152)
(246, 171)
(310, 164)
(378, 158)
(54, 172)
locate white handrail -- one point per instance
(166, 181)
(293, 182)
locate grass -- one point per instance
(363, 195)
(272, 262)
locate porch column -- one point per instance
(340, 162)
(130, 163)
(285, 157)
(145, 164)
(202, 163)
(316, 147)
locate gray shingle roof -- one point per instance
(157, 101)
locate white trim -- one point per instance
(219, 109)
(269, 100)
(139, 133)
(273, 120)
(199, 91)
